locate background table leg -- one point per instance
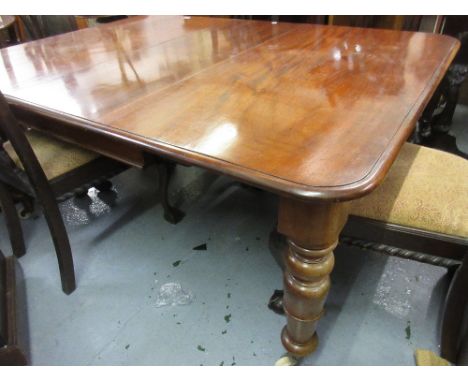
(312, 231)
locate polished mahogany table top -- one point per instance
(308, 111)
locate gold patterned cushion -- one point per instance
(425, 189)
(56, 157)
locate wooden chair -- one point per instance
(36, 27)
(8, 31)
(34, 167)
(419, 212)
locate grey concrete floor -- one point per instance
(379, 310)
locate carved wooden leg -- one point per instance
(312, 231)
(171, 214)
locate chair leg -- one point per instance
(62, 245)
(455, 305)
(171, 214)
(12, 221)
(105, 185)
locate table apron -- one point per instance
(123, 151)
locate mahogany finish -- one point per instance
(314, 113)
(11, 353)
(312, 231)
(311, 111)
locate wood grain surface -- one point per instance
(307, 111)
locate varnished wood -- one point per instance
(81, 22)
(42, 190)
(32, 184)
(314, 113)
(312, 231)
(171, 214)
(10, 352)
(310, 111)
(412, 239)
(93, 140)
(456, 303)
(432, 248)
(12, 221)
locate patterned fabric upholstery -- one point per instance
(56, 157)
(425, 189)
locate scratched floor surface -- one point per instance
(379, 311)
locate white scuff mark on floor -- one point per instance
(172, 294)
(81, 211)
(394, 290)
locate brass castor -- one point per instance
(288, 359)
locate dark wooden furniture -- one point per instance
(412, 216)
(8, 31)
(77, 171)
(424, 246)
(85, 21)
(10, 352)
(316, 114)
(428, 247)
(400, 22)
(437, 117)
(35, 27)
(455, 340)
(6, 21)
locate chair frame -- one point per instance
(10, 352)
(426, 247)
(33, 184)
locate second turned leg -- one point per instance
(312, 231)
(171, 214)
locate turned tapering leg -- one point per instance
(312, 231)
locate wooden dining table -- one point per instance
(312, 113)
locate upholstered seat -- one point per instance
(425, 189)
(56, 157)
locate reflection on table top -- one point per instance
(310, 110)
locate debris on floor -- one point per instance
(201, 247)
(172, 294)
(408, 330)
(176, 263)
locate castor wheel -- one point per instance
(28, 209)
(104, 186)
(25, 213)
(288, 360)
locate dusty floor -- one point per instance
(379, 311)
